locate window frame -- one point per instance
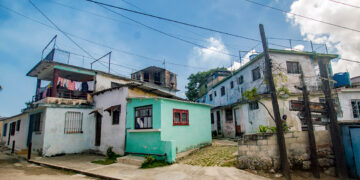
(115, 117)
(181, 122)
(5, 126)
(37, 123)
(212, 118)
(214, 93)
(231, 84)
(12, 128)
(252, 105)
(227, 115)
(357, 110)
(241, 79)
(222, 91)
(255, 70)
(135, 116)
(290, 67)
(73, 126)
(210, 97)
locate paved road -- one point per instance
(15, 168)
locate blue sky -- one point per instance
(22, 40)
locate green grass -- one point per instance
(106, 161)
(151, 162)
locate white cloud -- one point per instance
(244, 60)
(343, 41)
(210, 57)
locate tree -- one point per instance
(196, 86)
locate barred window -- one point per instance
(356, 108)
(256, 74)
(73, 122)
(210, 97)
(228, 115)
(253, 105)
(293, 67)
(240, 79)
(222, 90)
(232, 84)
(143, 117)
(12, 128)
(180, 117)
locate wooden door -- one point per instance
(98, 129)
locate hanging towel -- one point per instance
(77, 86)
(91, 85)
(71, 86)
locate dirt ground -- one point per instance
(19, 169)
(295, 175)
(221, 153)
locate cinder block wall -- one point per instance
(260, 151)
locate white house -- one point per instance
(233, 115)
(15, 130)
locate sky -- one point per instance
(24, 33)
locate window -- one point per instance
(146, 77)
(73, 122)
(356, 108)
(214, 93)
(253, 105)
(222, 90)
(18, 125)
(157, 79)
(212, 118)
(240, 79)
(292, 67)
(37, 122)
(232, 84)
(115, 116)
(143, 117)
(210, 97)
(12, 128)
(228, 115)
(4, 129)
(180, 117)
(256, 74)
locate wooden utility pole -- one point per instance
(338, 146)
(279, 128)
(307, 116)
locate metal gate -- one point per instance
(351, 137)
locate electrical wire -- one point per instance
(299, 15)
(346, 4)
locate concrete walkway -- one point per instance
(82, 164)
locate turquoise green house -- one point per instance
(164, 127)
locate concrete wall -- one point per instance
(104, 81)
(260, 151)
(345, 96)
(186, 137)
(164, 137)
(56, 141)
(38, 137)
(112, 135)
(20, 136)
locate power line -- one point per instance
(346, 4)
(100, 44)
(66, 35)
(168, 34)
(310, 18)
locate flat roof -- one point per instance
(184, 101)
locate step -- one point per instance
(132, 160)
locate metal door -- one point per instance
(355, 141)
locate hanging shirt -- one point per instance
(66, 83)
(71, 86)
(77, 86)
(84, 87)
(91, 85)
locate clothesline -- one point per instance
(75, 85)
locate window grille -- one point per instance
(292, 67)
(228, 114)
(143, 117)
(240, 79)
(73, 122)
(253, 105)
(356, 108)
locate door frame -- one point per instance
(98, 122)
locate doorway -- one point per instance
(218, 124)
(98, 129)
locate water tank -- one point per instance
(342, 79)
(251, 57)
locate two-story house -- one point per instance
(234, 115)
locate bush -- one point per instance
(151, 162)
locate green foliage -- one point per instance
(110, 157)
(196, 86)
(251, 94)
(263, 129)
(151, 162)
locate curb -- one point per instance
(73, 170)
